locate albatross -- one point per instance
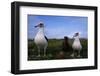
(76, 45)
(40, 39)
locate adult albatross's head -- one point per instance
(76, 34)
(41, 25)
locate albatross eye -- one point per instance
(41, 25)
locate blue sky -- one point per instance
(58, 26)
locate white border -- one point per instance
(26, 65)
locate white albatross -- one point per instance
(40, 39)
(77, 47)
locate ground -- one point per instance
(54, 50)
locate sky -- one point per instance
(58, 26)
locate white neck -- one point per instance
(77, 38)
(41, 30)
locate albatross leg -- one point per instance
(45, 51)
(79, 54)
(38, 52)
(73, 54)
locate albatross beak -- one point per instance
(36, 26)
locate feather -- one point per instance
(46, 38)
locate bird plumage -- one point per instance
(46, 38)
(76, 45)
(40, 39)
(66, 45)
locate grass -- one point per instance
(54, 50)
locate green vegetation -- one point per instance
(54, 50)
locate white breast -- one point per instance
(40, 40)
(76, 44)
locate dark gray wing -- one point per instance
(46, 38)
